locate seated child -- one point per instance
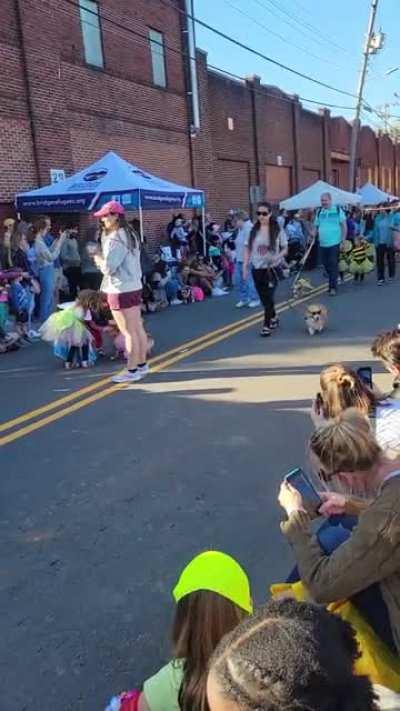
(212, 596)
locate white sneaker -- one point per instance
(144, 370)
(254, 303)
(241, 304)
(176, 302)
(33, 334)
(127, 377)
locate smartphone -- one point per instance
(365, 374)
(300, 481)
(319, 403)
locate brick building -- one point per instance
(79, 78)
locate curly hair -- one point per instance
(292, 656)
(386, 346)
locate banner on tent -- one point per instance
(130, 200)
(58, 203)
(153, 200)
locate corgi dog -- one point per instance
(316, 318)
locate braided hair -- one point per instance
(292, 656)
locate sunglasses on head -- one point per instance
(262, 213)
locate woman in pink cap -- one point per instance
(122, 282)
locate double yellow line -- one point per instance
(82, 397)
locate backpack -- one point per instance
(320, 208)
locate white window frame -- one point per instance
(92, 37)
(157, 53)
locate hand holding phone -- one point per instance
(300, 481)
(365, 374)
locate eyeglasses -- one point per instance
(264, 214)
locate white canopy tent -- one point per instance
(311, 197)
(371, 195)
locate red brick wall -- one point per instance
(367, 146)
(339, 134)
(79, 112)
(311, 146)
(233, 150)
(17, 166)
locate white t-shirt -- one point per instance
(261, 253)
(387, 426)
(242, 239)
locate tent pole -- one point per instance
(141, 223)
(203, 216)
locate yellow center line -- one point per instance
(79, 392)
(167, 359)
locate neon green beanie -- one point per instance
(219, 573)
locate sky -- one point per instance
(320, 38)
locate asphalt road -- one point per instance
(100, 508)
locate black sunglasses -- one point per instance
(264, 214)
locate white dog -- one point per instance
(316, 318)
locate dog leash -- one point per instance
(292, 300)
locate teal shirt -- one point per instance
(395, 221)
(382, 230)
(329, 222)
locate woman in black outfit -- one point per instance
(266, 247)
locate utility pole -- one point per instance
(373, 43)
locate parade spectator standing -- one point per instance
(120, 264)
(46, 255)
(264, 250)
(247, 292)
(71, 261)
(382, 237)
(330, 223)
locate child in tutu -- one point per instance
(68, 331)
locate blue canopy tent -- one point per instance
(111, 178)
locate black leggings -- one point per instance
(383, 253)
(78, 353)
(265, 281)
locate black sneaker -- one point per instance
(274, 323)
(265, 332)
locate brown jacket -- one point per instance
(371, 555)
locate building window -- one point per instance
(158, 58)
(231, 124)
(91, 32)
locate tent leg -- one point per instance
(203, 216)
(141, 224)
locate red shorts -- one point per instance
(118, 302)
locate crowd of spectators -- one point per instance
(329, 638)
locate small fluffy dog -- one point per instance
(316, 318)
(302, 287)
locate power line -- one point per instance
(296, 22)
(144, 37)
(281, 37)
(256, 52)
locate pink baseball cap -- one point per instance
(110, 208)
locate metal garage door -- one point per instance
(278, 182)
